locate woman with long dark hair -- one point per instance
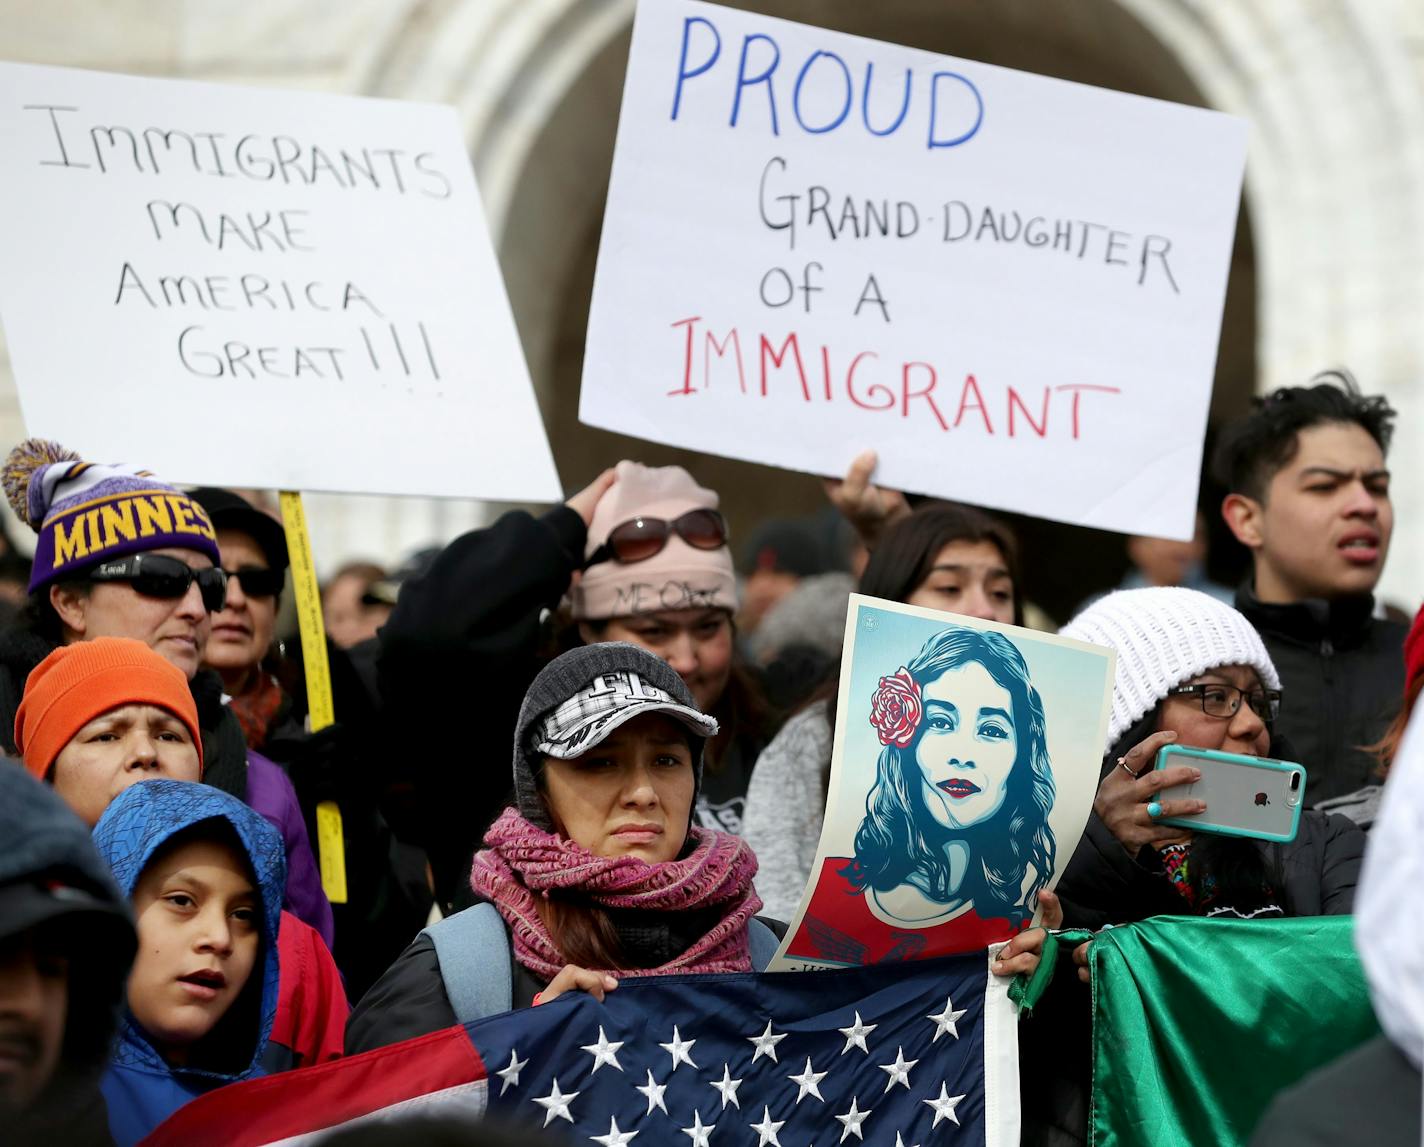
(941, 556)
(955, 841)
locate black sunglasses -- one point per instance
(156, 575)
(639, 539)
(258, 582)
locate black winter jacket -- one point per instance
(457, 655)
(1105, 885)
(410, 999)
(1380, 1090)
(1342, 680)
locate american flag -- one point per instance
(902, 1056)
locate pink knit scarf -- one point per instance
(523, 861)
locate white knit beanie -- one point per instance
(1163, 637)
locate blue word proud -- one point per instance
(824, 93)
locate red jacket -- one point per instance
(311, 1002)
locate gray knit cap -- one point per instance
(579, 698)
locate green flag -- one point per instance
(1197, 1024)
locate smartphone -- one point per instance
(1245, 796)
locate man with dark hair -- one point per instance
(66, 942)
(1309, 497)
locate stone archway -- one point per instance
(1337, 115)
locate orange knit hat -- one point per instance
(77, 683)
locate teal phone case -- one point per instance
(1253, 797)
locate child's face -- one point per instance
(198, 931)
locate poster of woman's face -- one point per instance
(965, 759)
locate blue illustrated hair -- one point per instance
(900, 842)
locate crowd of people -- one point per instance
(589, 744)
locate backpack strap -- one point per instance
(473, 949)
(762, 942)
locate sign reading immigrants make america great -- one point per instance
(245, 287)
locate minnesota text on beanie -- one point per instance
(86, 513)
(634, 680)
(679, 576)
(1163, 637)
(79, 682)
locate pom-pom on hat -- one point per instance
(79, 682)
(678, 576)
(86, 512)
(1165, 636)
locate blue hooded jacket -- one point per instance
(141, 1088)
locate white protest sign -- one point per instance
(248, 287)
(1010, 286)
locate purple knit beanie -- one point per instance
(86, 512)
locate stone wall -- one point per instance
(1329, 269)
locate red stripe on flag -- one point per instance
(277, 1107)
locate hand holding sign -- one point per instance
(870, 509)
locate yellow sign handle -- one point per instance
(330, 840)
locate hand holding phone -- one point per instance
(1254, 797)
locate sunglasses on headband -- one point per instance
(639, 539)
(258, 582)
(157, 575)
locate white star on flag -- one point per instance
(944, 1021)
(765, 1044)
(557, 1103)
(899, 1071)
(653, 1092)
(766, 1130)
(900, 1142)
(855, 1035)
(808, 1083)
(943, 1106)
(727, 1088)
(699, 1132)
(850, 1122)
(604, 1051)
(679, 1049)
(510, 1074)
(614, 1138)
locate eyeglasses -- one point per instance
(639, 539)
(258, 582)
(156, 575)
(1225, 700)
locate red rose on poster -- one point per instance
(895, 710)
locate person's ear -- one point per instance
(70, 604)
(1243, 517)
(587, 634)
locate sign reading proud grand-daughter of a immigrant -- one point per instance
(249, 287)
(1011, 286)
